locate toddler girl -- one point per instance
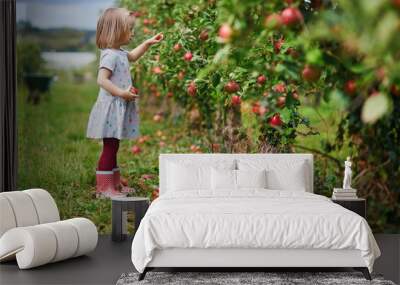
(114, 116)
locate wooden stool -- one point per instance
(120, 208)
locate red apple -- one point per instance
(261, 79)
(203, 35)
(231, 87)
(146, 21)
(273, 21)
(143, 139)
(291, 16)
(280, 88)
(188, 56)
(235, 100)
(181, 75)
(292, 52)
(275, 120)
(310, 73)
(215, 147)
(157, 70)
(177, 47)
(170, 94)
(295, 95)
(135, 149)
(395, 89)
(159, 37)
(281, 101)
(192, 89)
(134, 90)
(278, 44)
(225, 32)
(350, 87)
(256, 108)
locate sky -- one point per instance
(80, 14)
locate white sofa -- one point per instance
(31, 231)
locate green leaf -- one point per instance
(374, 108)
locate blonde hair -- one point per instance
(112, 27)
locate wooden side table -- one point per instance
(357, 205)
(120, 208)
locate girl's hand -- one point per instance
(155, 40)
(128, 94)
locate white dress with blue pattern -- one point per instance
(112, 116)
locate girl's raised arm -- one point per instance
(137, 52)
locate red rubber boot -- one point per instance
(105, 187)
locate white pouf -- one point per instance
(31, 230)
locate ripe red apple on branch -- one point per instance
(177, 47)
(256, 107)
(235, 100)
(188, 56)
(280, 88)
(192, 89)
(395, 90)
(273, 21)
(261, 79)
(278, 45)
(232, 87)
(225, 32)
(350, 87)
(157, 70)
(295, 95)
(181, 75)
(275, 120)
(280, 103)
(310, 73)
(291, 16)
(203, 35)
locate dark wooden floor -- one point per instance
(110, 260)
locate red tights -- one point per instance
(108, 157)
